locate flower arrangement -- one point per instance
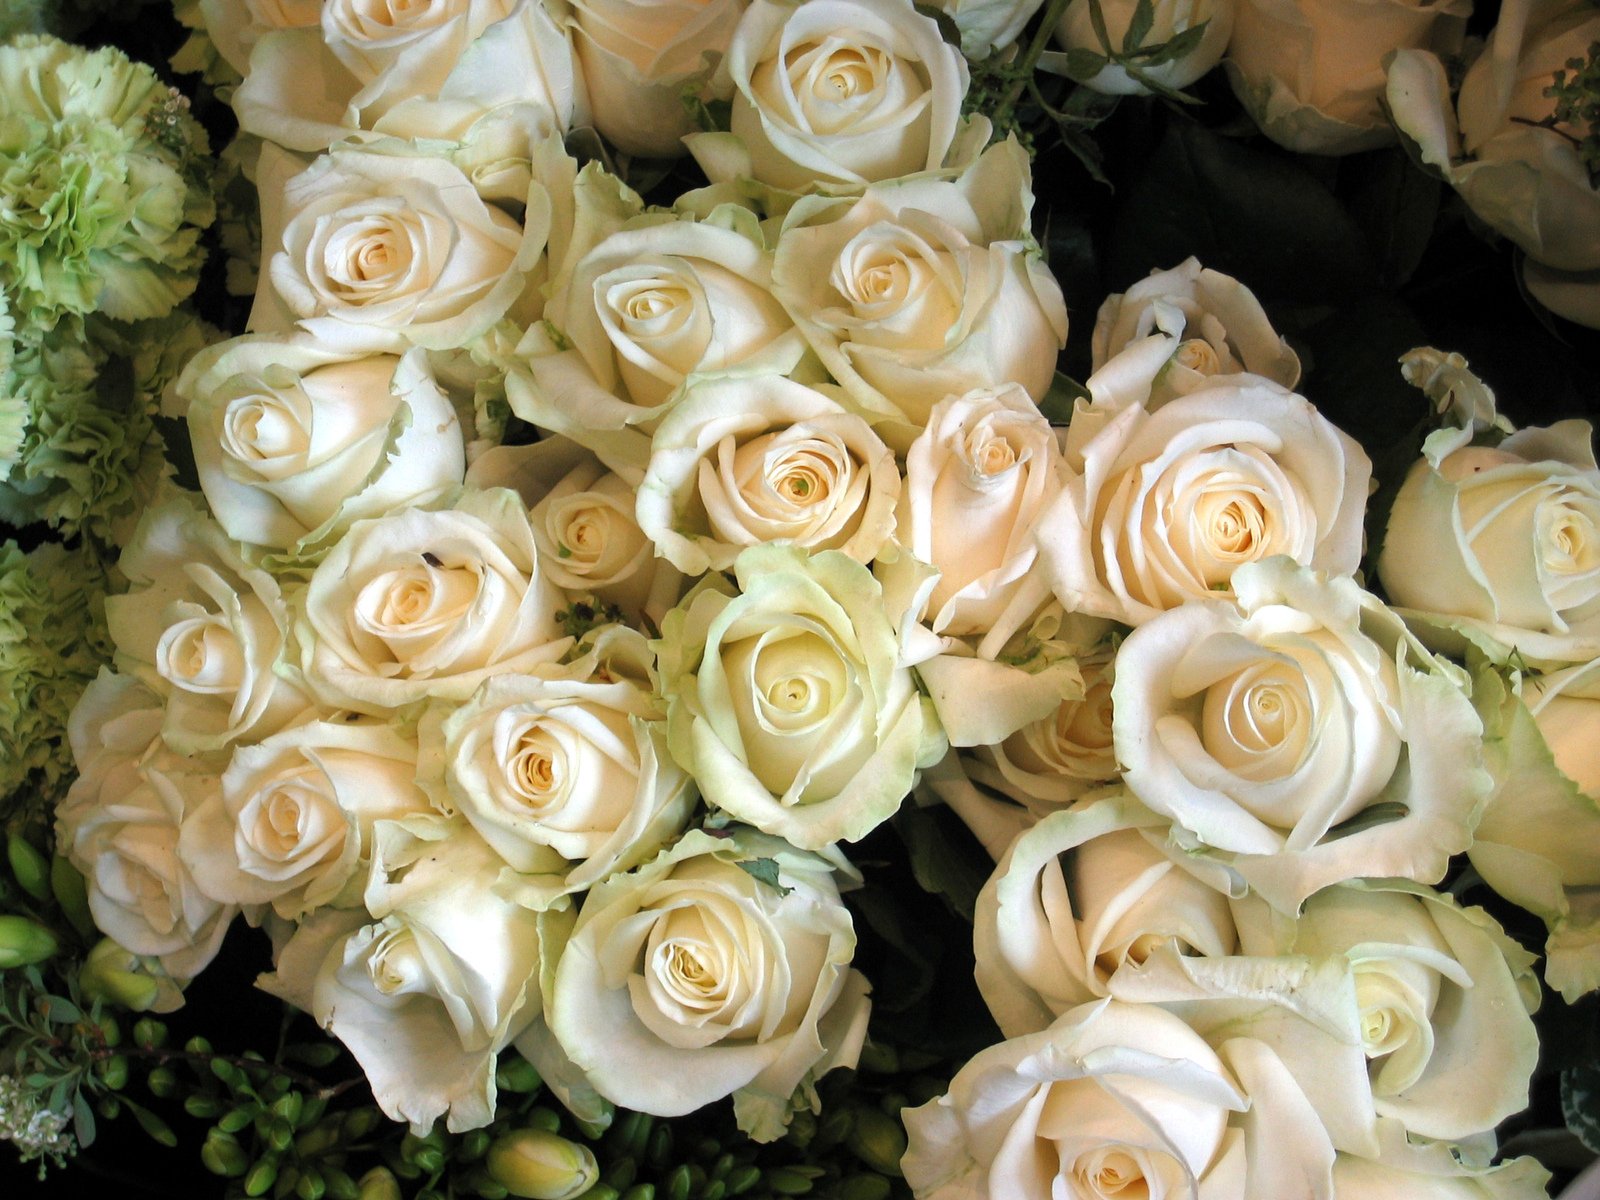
(587, 620)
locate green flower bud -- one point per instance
(640, 1191)
(30, 868)
(116, 976)
(792, 1181)
(261, 1177)
(680, 1183)
(865, 1187)
(539, 1165)
(222, 1155)
(742, 1179)
(878, 1140)
(72, 893)
(517, 1075)
(24, 942)
(378, 1184)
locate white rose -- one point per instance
(435, 983)
(925, 289)
(234, 27)
(584, 527)
(1168, 19)
(1407, 1170)
(1079, 895)
(637, 59)
(1444, 998)
(565, 778)
(378, 251)
(120, 822)
(1164, 506)
(1538, 843)
(1511, 539)
(721, 967)
(1216, 323)
(788, 701)
(642, 312)
(1118, 1099)
(1521, 176)
(428, 603)
(293, 442)
(204, 629)
(1312, 74)
(292, 823)
(1261, 729)
(977, 479)
(988, 25)
(836, 92)
(747, 461)
(407, 70)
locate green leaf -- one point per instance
(948, 29)
(764, 870)
(153, 1125)
(58, 1010)
(1580, 1103)
(1177, 46)
(82, 1121)
(1058, 402)
(946, 859)
(1083, 65)
(1144, 16)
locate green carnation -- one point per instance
(102, 185)
(52, 642)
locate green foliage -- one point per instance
(1577, 98)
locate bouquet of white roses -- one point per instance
(614, 634)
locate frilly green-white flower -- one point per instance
(102, 185)
(52, 640)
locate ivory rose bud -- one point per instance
(646, 309)
(1444, 997)
(748, 461)
(1520, 176)
(120, 822)
(721, 967)
(788, 701)
(428, 603)
(1312, 74)
(1511, 536)
(988, 25)
(293, 441)
(566, 776)
(1118, 1098)
(398, 68)
(1260, 729)
(636, 60)
(836, 92)
(1168, 20)
(379, 252)
(204, 629)
(1077, 896)
(977, 479)
(292, 824)
(429, 988)
(924, 289)
(1163, 506)
(1216, 325)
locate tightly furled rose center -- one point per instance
(801, 483)
(395, 964)
(694, 974)
(1259, 723)
(838, 86)
(369, 254)
(574, 769)
(269, 435)
(786, 683)
(388, 21)
(410, 608)
(201, 655)
(1073, 742)
(895, 280)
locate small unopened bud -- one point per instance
(28, 867)
(118, 976)
(378, 1184)
(72, 893)
(877, 1139)
(539, 1165)
(24, 942)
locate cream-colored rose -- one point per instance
(1510, 536)
(1312, 74)
(645, 310)
(977, 479)
(1444, 999)
(234, 27)
(925, 289)
(204, 629)
(748, 461)
(292, 824)
(566, 776)
(1522, 177)
(637, 58)
(1303, 732)
(722, 967)
(434, 983)
(584, 527)
(293, 442)
(1168, 20)
(1079, 895)
(988, 25)
(120, 823)
(428, 603)
(788, 700)
(1216, 325)
(1119, 1099)
(1406, 1170)
(409, 70)
(836, 92)
(379, 252)
(1164, 506)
